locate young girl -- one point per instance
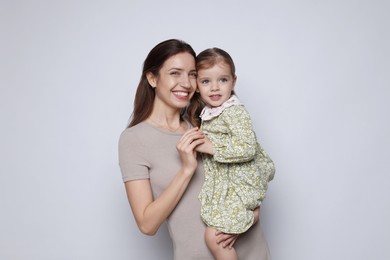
(237, 169)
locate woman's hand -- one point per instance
(186, 148)
(227, 240)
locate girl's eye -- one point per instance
(223, 80)
(205, 81)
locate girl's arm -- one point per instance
(240, 143)
(150, 214)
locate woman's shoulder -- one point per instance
(134, 129)
(133, 133)
(146, 135)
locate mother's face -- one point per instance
(176, 82)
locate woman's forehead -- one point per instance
(182, 60)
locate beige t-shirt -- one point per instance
(146, 152)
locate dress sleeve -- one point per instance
(240, 144)
(132, 161)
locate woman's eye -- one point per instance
(192, 75)
(175, 73)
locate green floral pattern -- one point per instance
(237, 176)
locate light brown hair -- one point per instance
(205, 60)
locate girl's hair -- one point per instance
(144, 97)
(205, 60)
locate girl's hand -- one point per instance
(186, 148)
(206, 147)
(227, 240)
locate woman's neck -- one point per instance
(164, 118)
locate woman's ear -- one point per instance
(151, 79)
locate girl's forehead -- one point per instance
(219, 66)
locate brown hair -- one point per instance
(144, 97)
(207, 59)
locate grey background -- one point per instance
(313, 74)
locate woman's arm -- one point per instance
(150, 214)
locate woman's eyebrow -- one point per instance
(175, 69)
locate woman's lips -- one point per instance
(181, 95)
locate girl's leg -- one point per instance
(217, 250)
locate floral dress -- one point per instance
(237, 175)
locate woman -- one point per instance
(159, 163)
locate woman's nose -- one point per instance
(185, 82)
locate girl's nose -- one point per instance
(214, 86)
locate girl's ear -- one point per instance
(151, 79)
(234, 82)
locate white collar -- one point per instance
(209, 113)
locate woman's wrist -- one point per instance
(188, 171)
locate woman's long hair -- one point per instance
(144, 97)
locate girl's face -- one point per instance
(215, 84)
(176, 82)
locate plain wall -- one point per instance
(313, 74)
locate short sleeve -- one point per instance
(132, 159)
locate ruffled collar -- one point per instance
(209, 113)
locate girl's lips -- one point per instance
(215, 97)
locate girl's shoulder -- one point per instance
(236, 111)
